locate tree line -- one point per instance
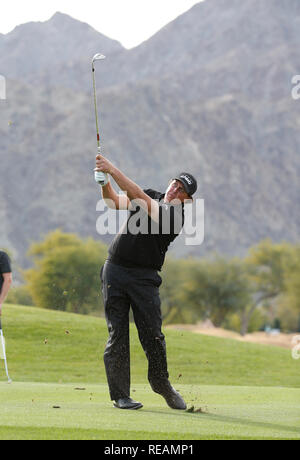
(242, 294)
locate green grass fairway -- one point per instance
(230, 413)
(245, 391)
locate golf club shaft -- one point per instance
(96, 109)
(100, 177)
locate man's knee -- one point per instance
(118, 337)
(152, 339)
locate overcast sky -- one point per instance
(129, 21)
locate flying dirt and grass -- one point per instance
(234, 390)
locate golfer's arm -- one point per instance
(5, 287)
(114, 200)
(134, 192)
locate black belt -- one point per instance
(124, 263)
(127, 264)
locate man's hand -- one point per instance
(103, 165)
(0, 310)
(133, 191)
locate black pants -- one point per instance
(139, 288)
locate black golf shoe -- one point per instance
(173, 398)
(127, 403)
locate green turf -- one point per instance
(77, 356)
(229, 413)
(246, 391)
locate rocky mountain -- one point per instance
(209, 93)
(38, 47)
(214, 36)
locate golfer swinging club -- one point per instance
(130, 278)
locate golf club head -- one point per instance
(98, 57)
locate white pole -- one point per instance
(4, 356)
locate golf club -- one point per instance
(4, 353)
(100, 177)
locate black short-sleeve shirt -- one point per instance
(5, 266)
(144, 243)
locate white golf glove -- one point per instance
(101, 178)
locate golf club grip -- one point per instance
(101, 178)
